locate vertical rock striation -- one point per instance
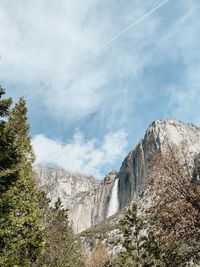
(159, 136)
(92, 207)
(86, 198)
(196, 172)
(63, 184)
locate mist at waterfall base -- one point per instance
(114, 203)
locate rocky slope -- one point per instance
(88, 200)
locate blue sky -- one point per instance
(91, 97)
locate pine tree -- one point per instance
(62, 250)
(7, 159)
(141, 249)
(21, 238)
(4, 104)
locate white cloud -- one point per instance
(49, 49)
(79, 154)
(44, 42)
(49, 52)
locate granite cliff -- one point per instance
(159, 136)
(90, 201)
(85, 197)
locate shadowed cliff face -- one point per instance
(92, 208)
(88, 199)
(196, 172)
(160, 136)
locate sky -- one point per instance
(96, 73)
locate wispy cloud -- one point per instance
(84, 65)
(51, 50)
(183, 44)
(79, 154)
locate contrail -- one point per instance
(114, 38)
(132, 25)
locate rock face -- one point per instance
(93, 206)
(88, 200)
(160, 136)
(59, 183)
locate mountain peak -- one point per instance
(159, 137)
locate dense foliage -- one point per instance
(139, 242)
(21, 235)
(62, 249)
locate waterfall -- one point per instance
(114, 203)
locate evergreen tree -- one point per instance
(62, 250)
(142, 244)
(7, 159)
(4, 104)
(141, 249)
(21, 238)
